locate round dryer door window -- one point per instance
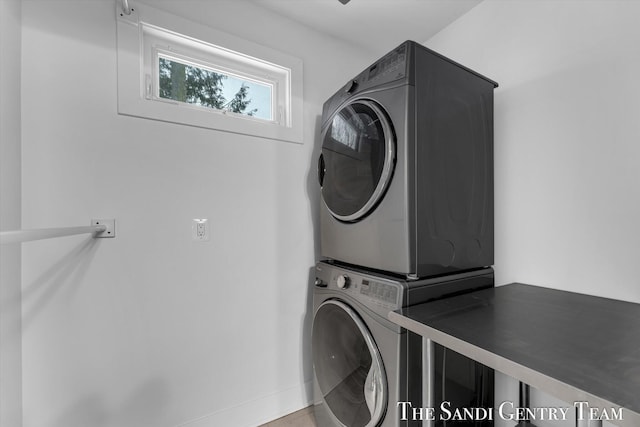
(348, 366)
(357, 160)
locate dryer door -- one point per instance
(357, 160)
(348, 366)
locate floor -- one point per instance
(301, 418)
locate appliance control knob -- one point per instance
(351, 86)
(343, 281)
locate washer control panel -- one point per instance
(380, 291)
(379, 294)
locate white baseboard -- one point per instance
(258, 411)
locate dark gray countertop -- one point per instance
(573, 346)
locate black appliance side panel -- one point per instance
(413, 371)
(447, 288)
(464, 383)
(454, 166)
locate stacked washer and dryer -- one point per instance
(406, 217)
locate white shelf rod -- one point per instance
(99, 229)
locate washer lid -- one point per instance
(357, 160)
(348, 366)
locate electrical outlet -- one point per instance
(200, 230)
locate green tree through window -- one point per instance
(193, 85)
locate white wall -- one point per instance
(10, 340)
(151, 328)
(566, 141)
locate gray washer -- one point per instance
(363, 364)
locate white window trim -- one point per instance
(136, 95)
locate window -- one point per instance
(197, 84)
(175, 70)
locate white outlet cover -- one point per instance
(200, 230)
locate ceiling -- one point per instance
(375, 25)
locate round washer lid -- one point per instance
(357, 160)
(348, 366)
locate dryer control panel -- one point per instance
(393, 69)
(392, 66)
